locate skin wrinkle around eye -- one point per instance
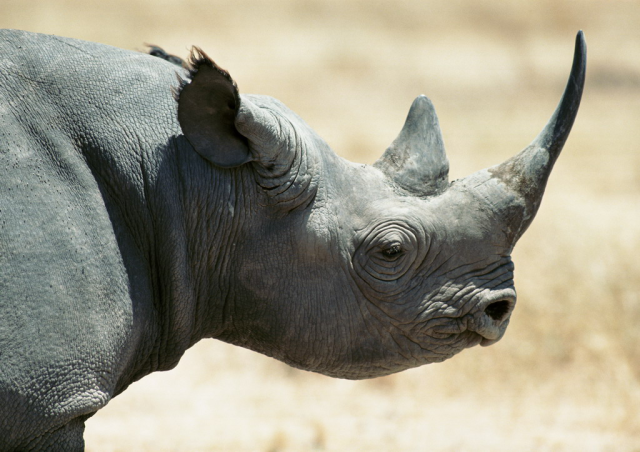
(378, 269)
(368, 260)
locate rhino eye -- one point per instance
(393, 252)
(388, 255)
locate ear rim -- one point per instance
(208, 103)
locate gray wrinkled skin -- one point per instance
(133, 225)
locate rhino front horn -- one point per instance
(514, 188)
(416, 160)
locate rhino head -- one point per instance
(352, 270)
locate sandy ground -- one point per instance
(566, 376)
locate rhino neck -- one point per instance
(199, 213)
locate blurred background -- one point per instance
(566, 376)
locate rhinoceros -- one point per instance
(144, 207)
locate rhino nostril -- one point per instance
(498, 310)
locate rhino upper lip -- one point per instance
(484, 342)
(488, 321)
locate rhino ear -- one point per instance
(207, 106)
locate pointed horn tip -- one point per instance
(423, 102)
(422, 98)
(422, 107)
(559, 126)
(580, 55)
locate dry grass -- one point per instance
(567, 375)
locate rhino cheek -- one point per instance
(434, 323)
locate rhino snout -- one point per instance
(491, 318)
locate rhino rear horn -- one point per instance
(416, 160)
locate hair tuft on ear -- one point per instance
(197, 59)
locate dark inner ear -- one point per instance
(207, 109)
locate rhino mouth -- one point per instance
(487, 341)
(469, 337)
(484, 326)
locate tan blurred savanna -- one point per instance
(566, 376)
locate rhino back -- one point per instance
(79, 123)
